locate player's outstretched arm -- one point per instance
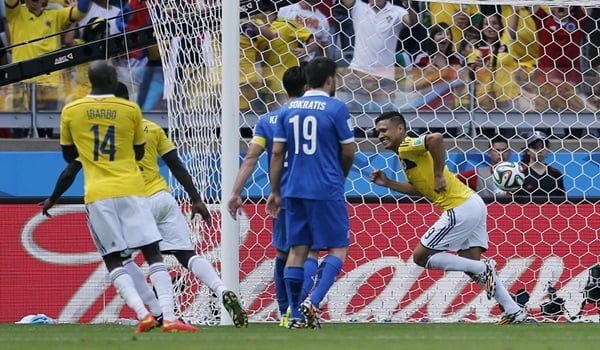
(435, 145)
(379, 177)
(246, 169)
(185, 179)
(65, 180)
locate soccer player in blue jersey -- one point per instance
(315, 132)
(294, 83)
(462, 224)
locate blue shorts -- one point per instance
(279, 234)
(321, 224)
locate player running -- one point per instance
(462, 225)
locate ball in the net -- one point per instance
(508, 176)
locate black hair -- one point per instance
(318, 70)
(122, 91)
(431, 45)
(294, 80)
(393, 116)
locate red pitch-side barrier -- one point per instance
(49, 265)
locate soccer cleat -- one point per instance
(178, 326)
(285, 318)
(234, 308)
(146, 324)
(295, 323)
(488, 278)
(310, 313)
(515, 317)
(159, 320)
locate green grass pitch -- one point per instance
(371, 336)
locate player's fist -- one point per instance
(273, 205)
(234, 205)
(199, 207)
(439, 184)
(379, 177)
(46, 205)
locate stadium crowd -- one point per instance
(422, 56)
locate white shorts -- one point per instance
(119, 224)
(170, 222)
(459, 228)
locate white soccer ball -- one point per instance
(508, 176)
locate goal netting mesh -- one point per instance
(474, 71)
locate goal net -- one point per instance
(476, 71)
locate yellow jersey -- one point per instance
(104, 129)
(291, 35)
(525, 48)
(417, 163)
(496, 81)
(443, 12)
(50, 21)
(157, 145)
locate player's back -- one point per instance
(157, 145)
(104, 130)
(314, 127)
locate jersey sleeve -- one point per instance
(164, 143)
(260, 135)
(414, 145)
(280, 135)
(66, 139)
(138, 137)
(343, 125)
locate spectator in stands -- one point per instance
(521, 32)
(306, 13)
(372, 74)
(560, 35)
(284, 50)
(462, 18)
(32, 21)
(146, 64)
(440, 67)
(494, 66)
(377, 25)
(541, 180)
(102, 9)
(480, 179)
(78, 84)
(254, 40)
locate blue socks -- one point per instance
(294, 276)
(280, 290)
(326, 275)
(310, 272)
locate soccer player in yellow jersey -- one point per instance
(105, 134)
(167, 215)
(462, 224)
